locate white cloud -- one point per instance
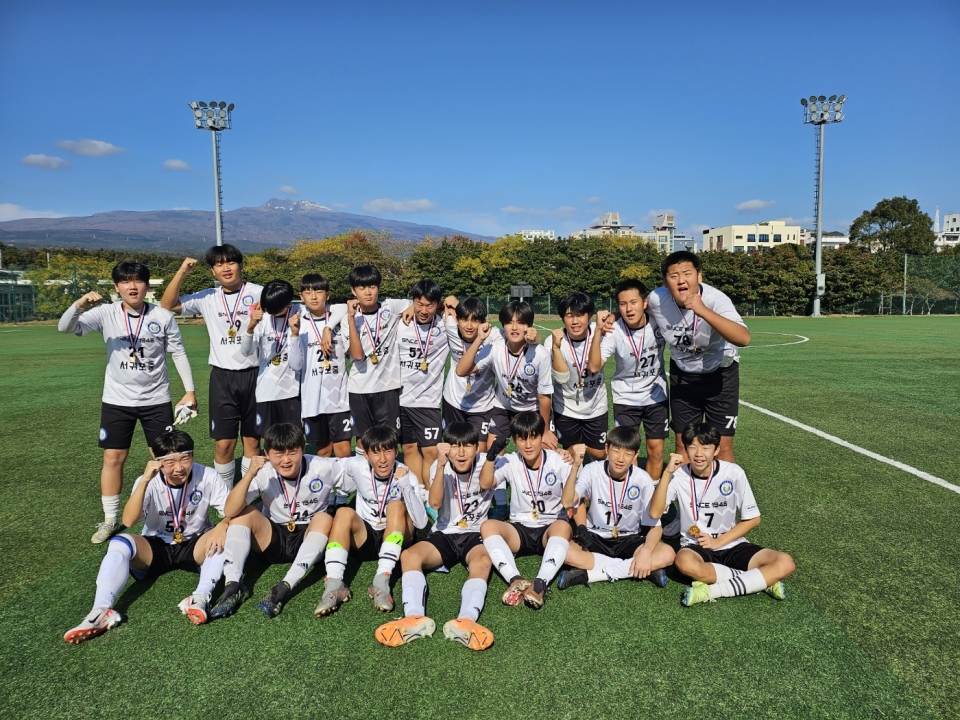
(9, 211)
(90, 148)
(180, 209)
(339, 206)
(752, 206)
(48, 162)
(651, 217)
(697, 228)
(563, 211)
(386, 205)
(593, 199)
(174, 164)
(806, 222)
(288, 189)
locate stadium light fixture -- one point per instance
(215, 117)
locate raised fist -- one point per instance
(188, 265)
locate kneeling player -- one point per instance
(293, 527)
(462, 506)
(172, 496)
(538, 521)
(388, 509)
(714, 552)
(620, 539)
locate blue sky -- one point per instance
(486, 117)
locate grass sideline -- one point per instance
(864, 632)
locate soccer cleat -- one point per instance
(335, 593)
(379, 592)
(514, 594)
(273, 603)
(234, 593)
(400, 632)
(96, 623)
(195, 607)
(672, 529)
(569, 578)
(778, 590)
(468, 633)
(697, 593)
(533, 595)
(659, 578)
(105, 531)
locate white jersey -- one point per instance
(421, 344)
(520, 378)
(624, 504)
(638, 378)
(280, 357)
(465, 504)
(323, 384)
(580, 403)
(203, 490)
(222, 311)
(374, 494)
(479, 397)
(283, 501)
(695, 346)
(729, 492)
(535, 495)
(152, 334)
(378, 337)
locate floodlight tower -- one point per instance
(214, 117)
(820, 111)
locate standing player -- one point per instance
(138, 337)
(620, 539)
(462, 506)
(233, 375)
(172, 497)
(703, 330)
(714, 552)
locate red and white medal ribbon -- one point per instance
(178, 512)
(580, 363)
(374, 337)
(424, 348)
(133, 336)
(458, 488)
(282, 335)
(692, 328)
(511, 374)
(614, 502)
(313, 323)
(694, 501)
(534, 492)
(232, 314)
(291, 500)
(637, 352)
(381, 502)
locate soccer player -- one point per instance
(703, 330)
(462, 505)
(579, 391)
(714, 551)
(293, 526)
(233, 375)
(138, 337)
(538, 520)
(388, 509)
(172, 497)
(619, 539)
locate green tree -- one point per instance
(897, 225)
(65, 279)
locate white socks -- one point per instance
(472, 597)
(244, 465)
(619, 569)
(600, 562)
(311, 549)
(111, 507)
(210, 572)
(724, 572)
(414, 586)
(389, 553)
(335, 561)
(553, 557)
(226, 471)
(114, 569)
(502, 558)
(235, 551)
(745, 583)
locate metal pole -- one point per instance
(216, 184)
(819, 251)
(904, 283)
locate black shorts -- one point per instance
(382, 408)
(117, 424)
(622, 547)
(284, 545)
(370, 550)
(454, 547)
(420, 426)
(325, 429)
(714, 396)
(655, 419)
(481, 421)
(233, 403)
(531, 539)
(170, 556)
(275, 412)
(500, 422)
(738, 557)
(592, 432)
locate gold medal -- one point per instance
(178, 537)
(509, 390)
(133, 357)
(469, 386)
(534, 514)
(694, 530)
(232, 332)
(615, 531)
(374, 358)
(326, 364)
(291, 525)
(580, 385)
(462, 523)
(275, 360)
(423, 365)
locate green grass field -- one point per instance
(868, 630)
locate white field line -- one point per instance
(802, 339)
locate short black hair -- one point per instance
(365, 275)
(171, 441)
(284, 436)
(223, 253)
(520, 308)
(624, 437)
(276, 295)
(380, 437)
(630, 284)
(126, 271)
(314, 281)
(703, 433)
(427, 289)
(527, 424)
(578, 303)
(461, 433)
(680, 256)
(472, 307)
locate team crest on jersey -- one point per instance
(385, 314)
(657, 333)
(103, 434)
(394, 493)
(196, 497)
(436, 331)
(633, 492)
(154, 327)
(247, 300)
(550, 479)
(726, 487)
(316, 485)
(529, 370)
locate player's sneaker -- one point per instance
(195, 607)
(468, 633)
(569, 578)
(105, 531)
(514, 593)
(778, 590)
(399, 632)
(273, 603)
(234, 593)
(96, 623)
(658, 578)
(335, 593)
(533, 595)
(379, 592)
(697, 593)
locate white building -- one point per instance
(949, 236)
(530, 235)
(747, 238)
(607, 224)
(831, 240)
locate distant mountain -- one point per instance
(276, 223)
